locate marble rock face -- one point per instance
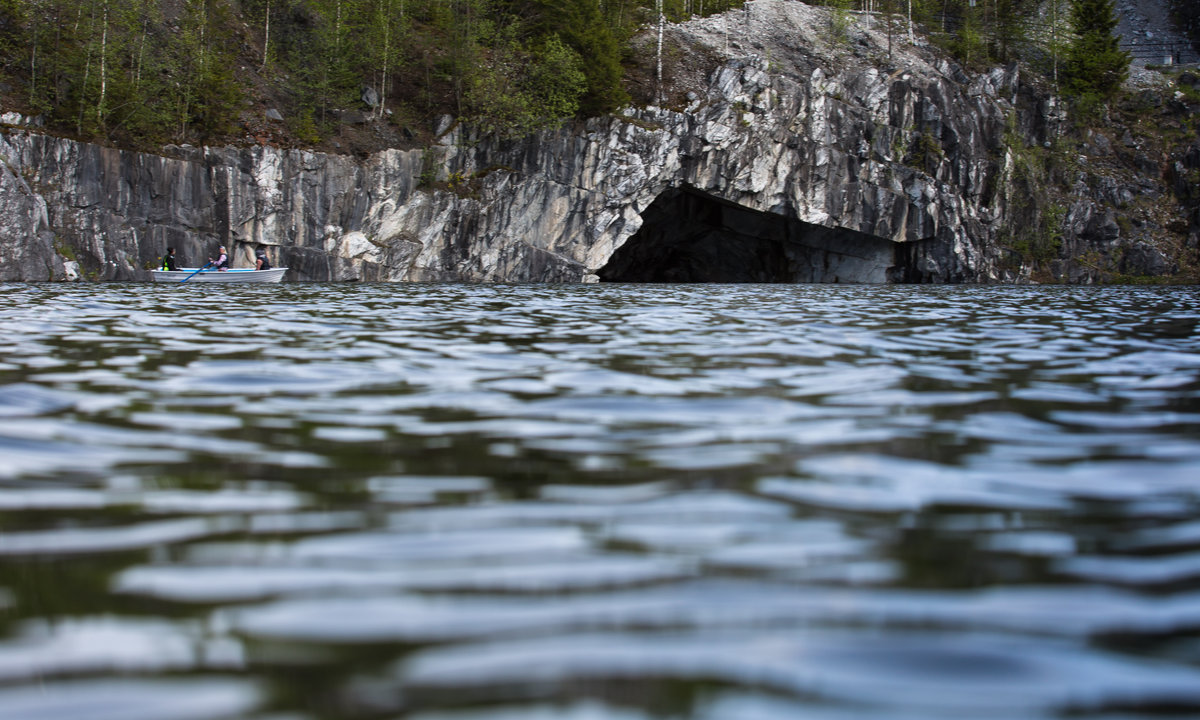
(801, 159)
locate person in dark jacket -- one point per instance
(168, 261)
(261, 262)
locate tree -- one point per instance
(139, 87)
(465, 24)
(555, 81)
(207, 96)
(1010, 19)
(658, 92)
(583, 28)
(522, 90)
(1095, 65)
(32, 42)
(385, 32)
(317, 51)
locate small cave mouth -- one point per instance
(691, 237)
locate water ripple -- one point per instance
(599, 502)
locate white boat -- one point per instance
(208, 275)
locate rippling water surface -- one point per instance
(311, 502)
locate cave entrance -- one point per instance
(692, 237)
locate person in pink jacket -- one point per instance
(222, 261)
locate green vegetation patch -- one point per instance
(142, 73)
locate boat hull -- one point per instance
(246, 275)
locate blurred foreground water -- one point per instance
(311, 502)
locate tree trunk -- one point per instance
(103, 68)
(1054, 39)
(87, 72)
(662, 20)
(34, 24)
(266, 37)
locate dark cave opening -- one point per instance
(692, 237)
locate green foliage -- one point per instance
(1011, 21)
(208, 95)
(1096, 66)
(518, 91)
(581, 26)
(466, 27)
(65, 251)
(145, 72)
(1039, 245)
(495, 97)
(315, 42)
(1049, 239)
(1190, 93)
(303, 125)
(970, 44)
(429, 169)
(840, 20)
(1029, 181)
(977, 33)
(117, 69)
(139, 98)
(899, 141)
(925, 151)
(557, 80)
(1089, 108)
(384, 38)
(152, 71)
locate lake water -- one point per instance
(602, 502)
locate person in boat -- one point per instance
(260, 261)
(222, 261)
(168, 261)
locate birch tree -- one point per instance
(388, 27)
(662, 20)
(266, 54)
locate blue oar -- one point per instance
(189, 277)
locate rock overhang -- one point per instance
(690, 236)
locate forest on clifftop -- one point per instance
(357, 75)
(145, 72)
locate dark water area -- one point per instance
(599, 502)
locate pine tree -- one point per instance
(580, 25)
(1096, 66)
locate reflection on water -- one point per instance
(598, 502)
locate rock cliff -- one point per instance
(798, 158)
